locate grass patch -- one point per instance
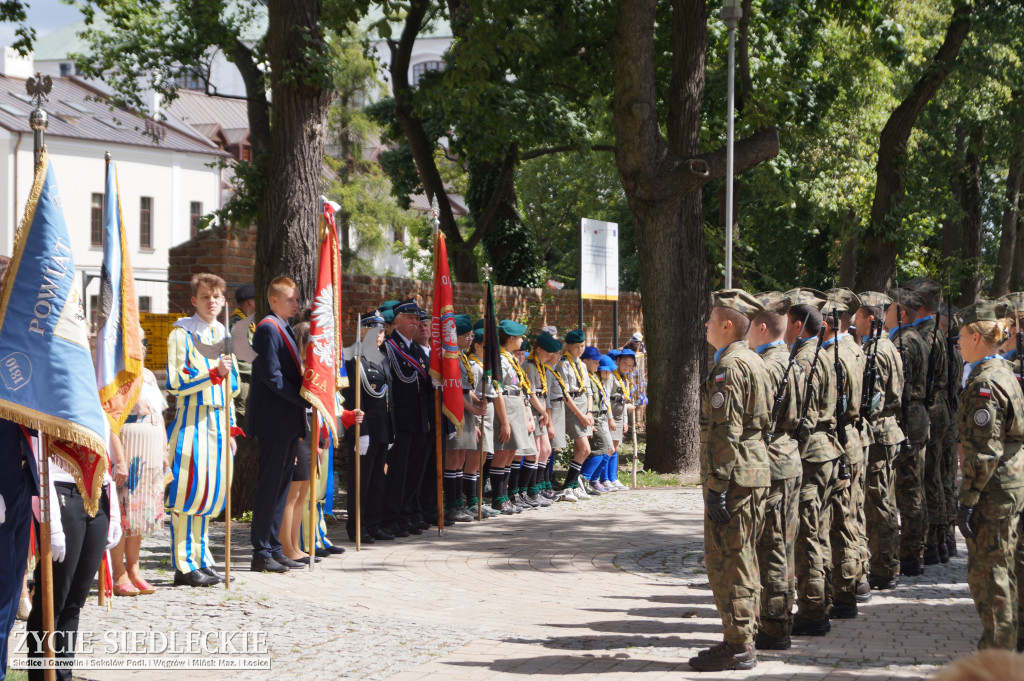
(17, 675)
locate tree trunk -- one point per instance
(286, 242)
(1008, 238)
(972, 230)
(879, 250)
(663, 181)
(848, 259)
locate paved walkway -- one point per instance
(612, 587)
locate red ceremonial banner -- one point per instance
(444, 342)
(320, 373)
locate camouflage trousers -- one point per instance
(845, 531)
(950, 470)
(908, 472)
(880, 512)
(812, 543)
(731, 562)
(776, 556)
(991, 566)
(934, 464)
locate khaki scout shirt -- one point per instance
(734, 409)
(990, 421)
(818, 430)
(783, 452)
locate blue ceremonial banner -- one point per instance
(48, 380)
(118, 343)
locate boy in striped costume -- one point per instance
(198, 490)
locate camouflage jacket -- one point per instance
(852, 358)
(817, 432)
(915, 368)
(888, 392)
(990, 421)
(783, 452)
(734, 416)
(938, 367)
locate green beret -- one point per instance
(388, 305)
(546, 341)
(1014, 304)
(739, 300)
(525, 347)
(807, 296)
(927, 286)
(511, 328)
(773, 301)
(388, 315)
(479, 324)
(906, 298)
(463, 324)
(478, 335)
(576, 336)
(842, 300)
(874, 299)
(982, 311)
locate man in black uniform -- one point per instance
(412, 392)
(376, 433)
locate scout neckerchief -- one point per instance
(466, 365)
(622, 384)
(289, 341)
(397, 349)
(575, 370)
(524, 382)
(539, 366)
(561, 381)
(600, 389)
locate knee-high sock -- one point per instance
(487, 465)
(450, 488)
(460, 494)
(530, 483)
(590, 466)
(470, 487)
(573, 475)
(513, 478)
(613, 466)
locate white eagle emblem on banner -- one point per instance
(323, 323)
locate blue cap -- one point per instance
(606, 364)
(372, 318)
(614, 353)
(625, 353)
(408, 307)
(590, 352)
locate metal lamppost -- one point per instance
(732, 11)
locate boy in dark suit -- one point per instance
(277, 418)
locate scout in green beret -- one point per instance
(538, 483)
(990, 422)
(510, 453)
(494, 425)
(735, 475)
(578, 421)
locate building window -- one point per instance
(66, 68)
(246, 153)
(399, 234)
(195, 212)
(145, 303)
(188, 80)
(96, 220)
(146, 222)
(419, 70)
(94, 310)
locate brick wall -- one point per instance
(232, 256)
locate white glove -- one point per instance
(58, 545)
(114, 528)
(3, 510)
(364, 444)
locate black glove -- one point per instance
(717, 511)
(963, 521)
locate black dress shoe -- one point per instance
(399, 531)
(322, 553)
(216, 575)
(335, 550)
(380, 534)
(267, 565)
(365, 539)
(302, 561)
(421, 525)
(413, 529)
(291, 564)
(194, 578)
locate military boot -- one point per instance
(931, 555)
(911, 567)
(806, 627)
(882, 583)
(943, 552)
(863, 593)
(725, 656)
(763, 641)
(951, 546)
(844, 611)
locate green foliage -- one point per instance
(14, 11)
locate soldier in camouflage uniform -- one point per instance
(936, 376)
(886, 390)
(950, 456)
(735, 475)
(990, 422)
(909, 464)
(1014, 303)
(846, 533)
(819, 453)
(776, 547)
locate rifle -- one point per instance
(933, 359)
(844, 466)
(780, 394)
(870, 371)
(807, 387)
(951, 341)
(905, 397)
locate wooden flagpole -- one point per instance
(483, 395)
(226, 385)
(45, 553)
(636, 452)
(359, 473)
(438, 453)
(314, 464)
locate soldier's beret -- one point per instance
(982, 311)
(807, 296)
(906, 298)
(842, 300)
(389, 305)
(775, 302)
(463, 324)
(576, 336)
(1014, 304)
(927, 286)
(874, 299)
(739, 300)
(511, 328)
(388, 316)
(245, 292)
(546, 341)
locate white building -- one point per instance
(166, 182)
